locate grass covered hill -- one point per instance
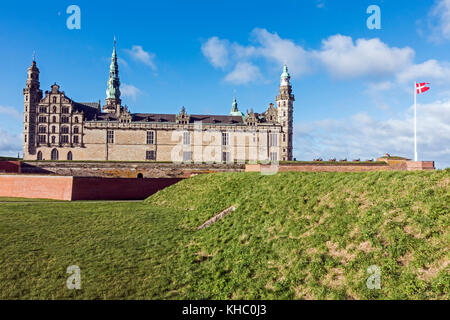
(293, 235)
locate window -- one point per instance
(65, 110)
(42, 138)
(42, 109)
(225, 156)
(187, 156)
(75, 130)
(54, 119)
(225, 138)
(39, 155)
(42, 119)
(64, 129)
(284, 137)
(54, 154)
(25, 137)
(273, 156)
(186, 138)
(42, 129)
(65, 120)
(284, 113)
(75, 139)
(54, 99)
(150, 155)
(26, 97)
(110, 136)
(54, 109)
(53, 129)
(150, 137)
(53, 139)
(64, 139)
(76, 119)
(69, 155)
(273, 139)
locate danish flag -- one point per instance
(421, 87)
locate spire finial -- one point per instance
(34, 55)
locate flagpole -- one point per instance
(415, 121)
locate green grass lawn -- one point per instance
(294, 235)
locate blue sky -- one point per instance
(353, 85)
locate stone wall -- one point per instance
(125, 169)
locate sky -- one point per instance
(353, 84)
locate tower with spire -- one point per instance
(285, 104)
(234, 108)
(32, 94)
(113, 102)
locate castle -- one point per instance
(59, 128)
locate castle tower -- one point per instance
(285, 103)
(234, 109)
(32, 94)
(113, 101)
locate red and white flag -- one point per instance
(422, 87)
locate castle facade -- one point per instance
(59, 128)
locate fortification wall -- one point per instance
(36, 187)
(124, 169)
(80, 188)
(9, 166)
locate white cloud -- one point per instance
(128, 90)
(269, 47)
(139, 54)
(244, 72)
(12, 112)
(274, 48)
(439, 20)
(216, 51)
(344, 58)
(427, 71)
(362, 136)
(10, 144)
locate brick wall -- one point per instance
(317, 168)
(10, 166)
(41, 187)
(118, 188)
(79, 188)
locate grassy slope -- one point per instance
(313, 235)
(293, 235)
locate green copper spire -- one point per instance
(113, 91)
(285, 74)
(234, 108)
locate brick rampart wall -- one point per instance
(79, 188)
(9, 166)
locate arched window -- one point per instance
(53, 129)
(54, 119)
(54, 109)
(76, 119)
(53, 139)
(54, 99)
(140, 175)
(39, 155)
(69, 155)
(55, 155)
